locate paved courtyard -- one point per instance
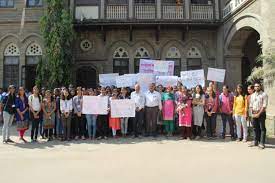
(136, 161)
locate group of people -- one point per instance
(171, 110)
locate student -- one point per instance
(226, 100)
(35, 111)
(152, 107)
(239, 112)
(198, 110)
(22, 113)
(124, 121)
(91, 119)
(79, 118)
(139, 99)
(258, 105)
(250, 91)
(168, 110)
(66, 108)
(58, 123)
(73, 116)
(114, 123)
(211, 107)
(184, 108)
(8, 105)
(103, 119)
(48, 108)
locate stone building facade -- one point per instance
(113, 35)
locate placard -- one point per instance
(123, 108)
(126, 80)
(95, 105)
(216, 74)
(161, 66)
(167, 80)
(192, 78)
(148, 66)
(108, 79)
(144, 80)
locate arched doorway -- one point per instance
(241, 56)
(86, 77)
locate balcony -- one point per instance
(144, 11)
(233, 6)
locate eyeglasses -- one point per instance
(256, 86)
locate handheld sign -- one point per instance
(216, 74)
(126, 80)
(123, 108)
(108, 79)
(144, 80)
(95, 105)
(192, 78)
(157, 67)
(167, 80)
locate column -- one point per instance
(187, 9)
(102, 10)
(131, 9)
(217, 9)
(158, 9)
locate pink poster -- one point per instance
(148, 66)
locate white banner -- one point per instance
(192, 78)
(161, 66)
(108, 79)
(157, 67)
(126, 80)
(123, 108)
(144, 80)
(95, 105)
(216, 74)
(167, 80)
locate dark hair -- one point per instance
(201, 92)
(251, 87)
(242, 92)
(226, 86)
(63, 96)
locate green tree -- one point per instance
(266, 71)
(58, 34)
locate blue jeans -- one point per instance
(59, 126)
(227, 118)
(91, 123)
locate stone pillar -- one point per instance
(268, 46)
(187, 9)
(131, 9)
(72, 5)
(217, 9)
(102, 9)
(233, 66)
(158, 9)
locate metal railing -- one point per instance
(201, 12)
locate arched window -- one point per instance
(173, 54)
(121, 61)
(194, 59)
(33, 55)
(11, 65)
(141, 53)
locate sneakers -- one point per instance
(9, 141)
(253, 144)
(261, 146)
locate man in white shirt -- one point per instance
(139, 99)
(35, 108)
(152, 107)
(258, 105)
